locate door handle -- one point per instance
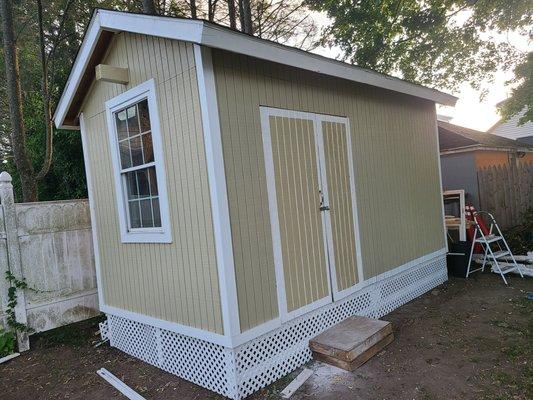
(322, 207)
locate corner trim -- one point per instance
(218, 189)
(92, 210)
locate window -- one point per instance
(137, 159)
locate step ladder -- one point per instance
(494, 246)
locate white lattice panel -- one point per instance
(197, 361)
(104, 330)
(134, 338)
(238, 372)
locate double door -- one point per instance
(313, 212)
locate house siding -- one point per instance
(175, 282)
(510, 129)
(395, 149)
(459, 172)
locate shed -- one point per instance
(245, 195)
(464, 151)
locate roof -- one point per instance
(458, 138)
(105, 23)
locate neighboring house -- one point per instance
(245, 195)
(511, 130)
(464, 151)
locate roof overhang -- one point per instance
(105, 23)
(478, 147)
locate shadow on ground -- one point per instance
(467, 339)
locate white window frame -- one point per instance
(161, 234)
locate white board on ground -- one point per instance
(119, 385)
(296, 383)
(9, 357)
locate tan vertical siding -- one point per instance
(396, 169)
(340, 203)
(176, 282)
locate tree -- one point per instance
(149, 7)
(194, 12)
(43, 38)
(521, 99)
(246, 11)
(440, 43)
(232, 14)
(14, 96)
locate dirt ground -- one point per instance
(467, 339)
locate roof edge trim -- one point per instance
(211, 35)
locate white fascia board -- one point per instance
(218, 37)
(165, 27)
(210, 35)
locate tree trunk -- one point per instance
(149, 7)
(241, 16)
(232, 15)
(193, 9)
(45, 93)
(211, 9)
(247, 17)
(14, 97)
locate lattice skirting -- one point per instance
(236, 373)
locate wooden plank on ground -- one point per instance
(292, 387)
(359, 360)
(351, 337)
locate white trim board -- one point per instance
(215, 36)
(217, 186)
(186, 330)
(92, 210)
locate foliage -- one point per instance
(66, 178)
(520, 238)
(521, 98)
(440, 43)
(15, 284)
(7, 342)
(7, 336)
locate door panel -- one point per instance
(301, 230)
(339, 192)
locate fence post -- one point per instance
(7, 202)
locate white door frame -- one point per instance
(333, 291)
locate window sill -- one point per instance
(146, 236)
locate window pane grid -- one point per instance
(134, 136)
(143, 198)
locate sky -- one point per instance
(469, 110)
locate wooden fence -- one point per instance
(506, 191)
